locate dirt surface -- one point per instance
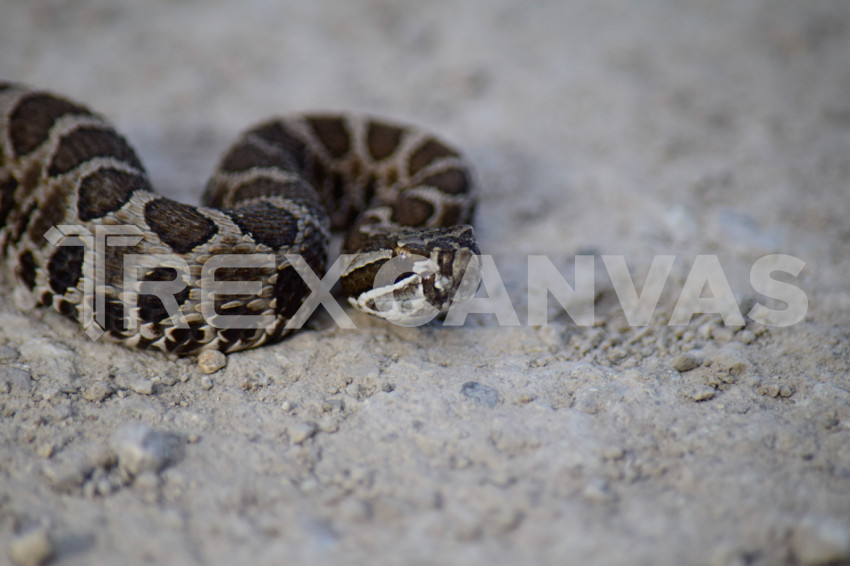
(624, 128)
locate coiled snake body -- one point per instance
(279, 190)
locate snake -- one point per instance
(286, 185)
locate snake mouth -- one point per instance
(410, 276)
(411, 289)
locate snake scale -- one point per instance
(282, 188)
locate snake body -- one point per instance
(280, 189)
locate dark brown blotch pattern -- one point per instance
(81, 145)
(276, 134)
(412, 211)
(332, 133)
(453, 181)
(290, 291)
(382, 140)
(65, 266)
(7, 198)
(26, 269)
(427, 153)
(266, 223)
(107, 190)
(369, 190)
(297, 190)
(34, 116)
(451, 213)
(179, 225)
(318, 176)
(247, 154)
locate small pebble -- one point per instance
(52, 394)
(722, 334)
(46, 450)
(746, 337)
(20, 381)
(63, 410)
(615, 355)
(140, 448)
(524, 398)
(598, 491)
(686, 362)
(480, 393)
(69, 473)
(146, 480)
(141, 386)
(328, 424)
(8, 354)
(101, 456)
(206, 382)
(333, 406)
(821, 541)
(300, 432)
(89, 490)
(168, 380)
(104, 487)
(32, 548)
(704, 395)
(504, 520)
(830, 420)
(210, 361)
(769, 390)
(613, 453)
(98, 391)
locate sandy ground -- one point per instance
(633, 128)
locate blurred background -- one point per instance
(612, 126)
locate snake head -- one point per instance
(409, 276)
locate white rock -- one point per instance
(31, 548)
(140, 448)
(686, 362)
(210, 361)
(300, 432)
(821, 541)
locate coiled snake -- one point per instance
(280, 190)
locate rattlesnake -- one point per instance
(280, 189)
